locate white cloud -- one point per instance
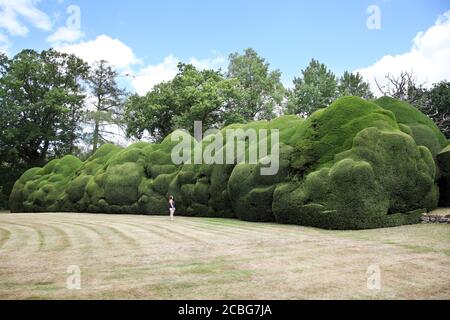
(211, 63)
(64, 35)
(103, 47)
(152, 75)
(13, 12)
(5, 44)
(428, 58)
(123, 58)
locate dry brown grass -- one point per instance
(141, 257)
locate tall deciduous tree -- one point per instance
(41, 104)
(316, 88)
(192, 95)
(353, 84)
(106, 109)
(403, 86)
(437, 106)
(263, 90)
(41, 101)
(434, 102)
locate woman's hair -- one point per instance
(170, 197)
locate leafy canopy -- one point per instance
(192, 95)
(353, 84)
(318, 87)
(263, 90)
(315, 89)
(41, 105)
(41, 102)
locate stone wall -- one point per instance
(428, 218)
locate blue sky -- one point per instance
(287, 33)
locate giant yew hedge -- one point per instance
(354, 165)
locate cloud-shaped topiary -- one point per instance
(356, 164)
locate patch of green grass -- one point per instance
(421, 238)
(165, 290)
(5, 236)
(224, 222)
(238, 274)
(36, 289)
(179, 288)
(46, 286)
(201, 267)
(125, 273)
(5, 285)
(41, 236)
(209, 267)
(357, 235)
(298, 270)
(223, 269)
(419, 248)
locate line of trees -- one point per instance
(48, 102)
(52, 104)
(247, 91)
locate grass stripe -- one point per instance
(5, 236)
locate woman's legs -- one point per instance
(172, 213)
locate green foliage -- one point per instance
(3, 200)
(443, 159)
(192, 95)
(251, 193)
(351, 84)
(434, 102)
(437, 105)
(121, 183)
(40, 105)
(315, 89)
(107, 99)
(353, 165)
(41, 102)
(318, 87)
(423, 129)
(330, 131)
(40, 190)
(248, 91)
(262, 89)
(383, 174)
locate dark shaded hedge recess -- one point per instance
(354, 165)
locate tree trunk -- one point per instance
(73, 133)
(95, 140)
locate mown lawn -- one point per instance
(141, 257)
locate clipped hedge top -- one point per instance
(330, 131)
(423, 129)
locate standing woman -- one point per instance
(171, 207)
